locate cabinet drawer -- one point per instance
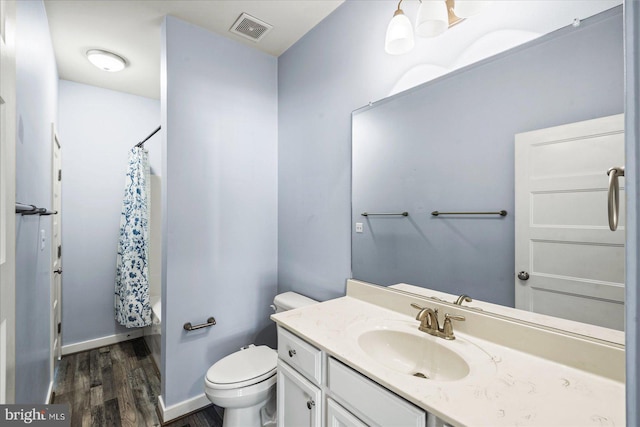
(370, 401)
(301, 355)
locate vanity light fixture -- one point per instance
(399, 37)
(434, 18)
(468, 8)
(105, 60)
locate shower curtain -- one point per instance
(132, 305)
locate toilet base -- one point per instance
(251, 416)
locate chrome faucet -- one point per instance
(462, 298)
(429, 322)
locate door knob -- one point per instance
(58, 270)
(523, 275)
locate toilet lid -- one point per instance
(244, 365)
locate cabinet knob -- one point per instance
(310, 404)
(292, 353)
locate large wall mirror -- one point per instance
(448, 145)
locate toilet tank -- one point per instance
(290, 300)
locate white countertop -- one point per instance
(504, 388)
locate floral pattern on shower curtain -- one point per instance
(132, 305)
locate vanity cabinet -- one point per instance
(315, 389)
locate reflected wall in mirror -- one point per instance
(448, 145)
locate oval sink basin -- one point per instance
(421, 357)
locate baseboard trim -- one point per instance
(101, 342)
(49, 394)
(179, 410)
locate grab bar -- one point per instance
(388, 214)
(189, 327)
(501, 213)
(614, 196)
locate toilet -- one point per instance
(244, 382)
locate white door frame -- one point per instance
(56, 229)
(7, 200)
(632, 160)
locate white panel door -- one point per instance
(7, 200)
(299, 401)
(568, 263)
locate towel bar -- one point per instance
(390, 214)
(25, 209)
(501, 213)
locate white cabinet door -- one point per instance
(299, 401)
(337, 416)
(571, 264)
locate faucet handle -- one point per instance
(454, 317)
(447, 328)
(422, 314)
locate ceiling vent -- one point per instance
(250, 28)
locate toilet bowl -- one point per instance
(244, 382)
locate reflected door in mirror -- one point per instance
(568, 263)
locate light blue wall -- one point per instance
(37, 98)
(97, 129)
(457, 154)
(334, 69)
(330, 72)
(219, 117)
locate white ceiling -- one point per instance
(131, 29)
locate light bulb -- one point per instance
(399, 37)
(432, 19)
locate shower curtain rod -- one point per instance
(141, 143)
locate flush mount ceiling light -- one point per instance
(107, 61)
(434, 18)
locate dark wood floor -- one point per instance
(117, 386)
